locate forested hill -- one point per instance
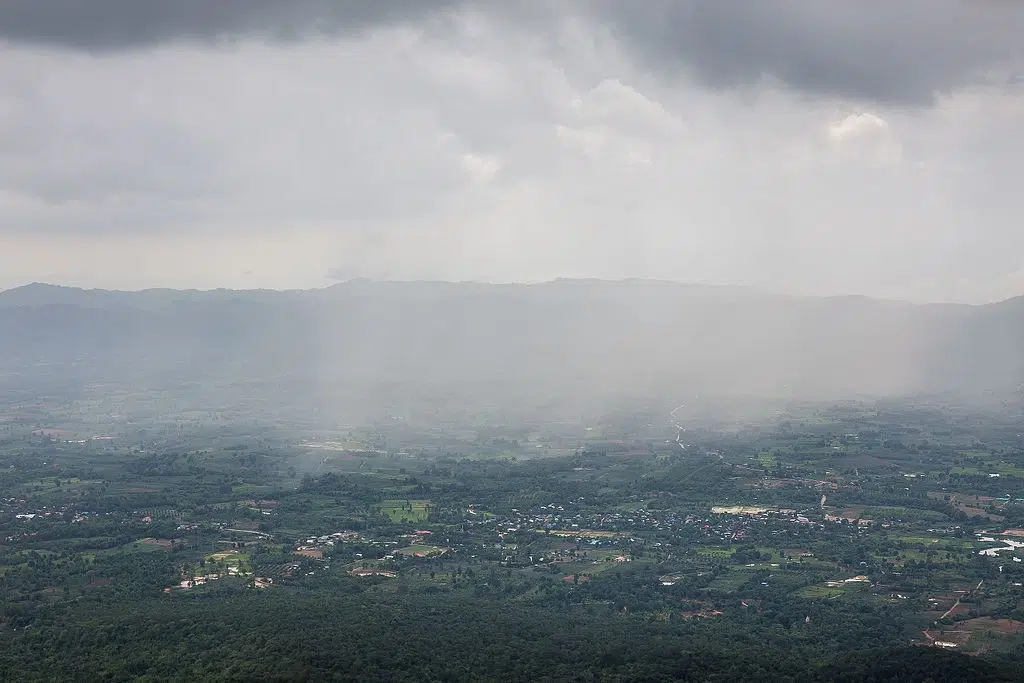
(230, 636)
(508, 342)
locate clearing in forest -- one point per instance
(405, 510)
(1003, 626)
(229, 562)
(421, 551)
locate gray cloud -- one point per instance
(128, 24)
(898, 52)
(877, 49)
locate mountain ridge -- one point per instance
(43, 293)
(366, 343)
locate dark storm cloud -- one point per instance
(900, 51)
(896, 51)
(129, 24)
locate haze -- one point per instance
(796, 147)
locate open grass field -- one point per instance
(926, 541)
(421, 551)
(148, 545)
(411, 511)
(144, 486)
(56, 484)
(729, 583)
(234, 562)
(819, 592)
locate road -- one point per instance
(680, 429)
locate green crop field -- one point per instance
(230, 560)
(405, 510)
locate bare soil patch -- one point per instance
(1004, 626)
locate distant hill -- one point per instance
(361, 341)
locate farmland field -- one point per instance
(411, 511)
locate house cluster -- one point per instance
(364, 572)
(619, 529)
(849, 519)
(847, 582)
(556, 518)
(314, 547)
(19, 511)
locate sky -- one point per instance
(800, 146)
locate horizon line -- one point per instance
(527, 283)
